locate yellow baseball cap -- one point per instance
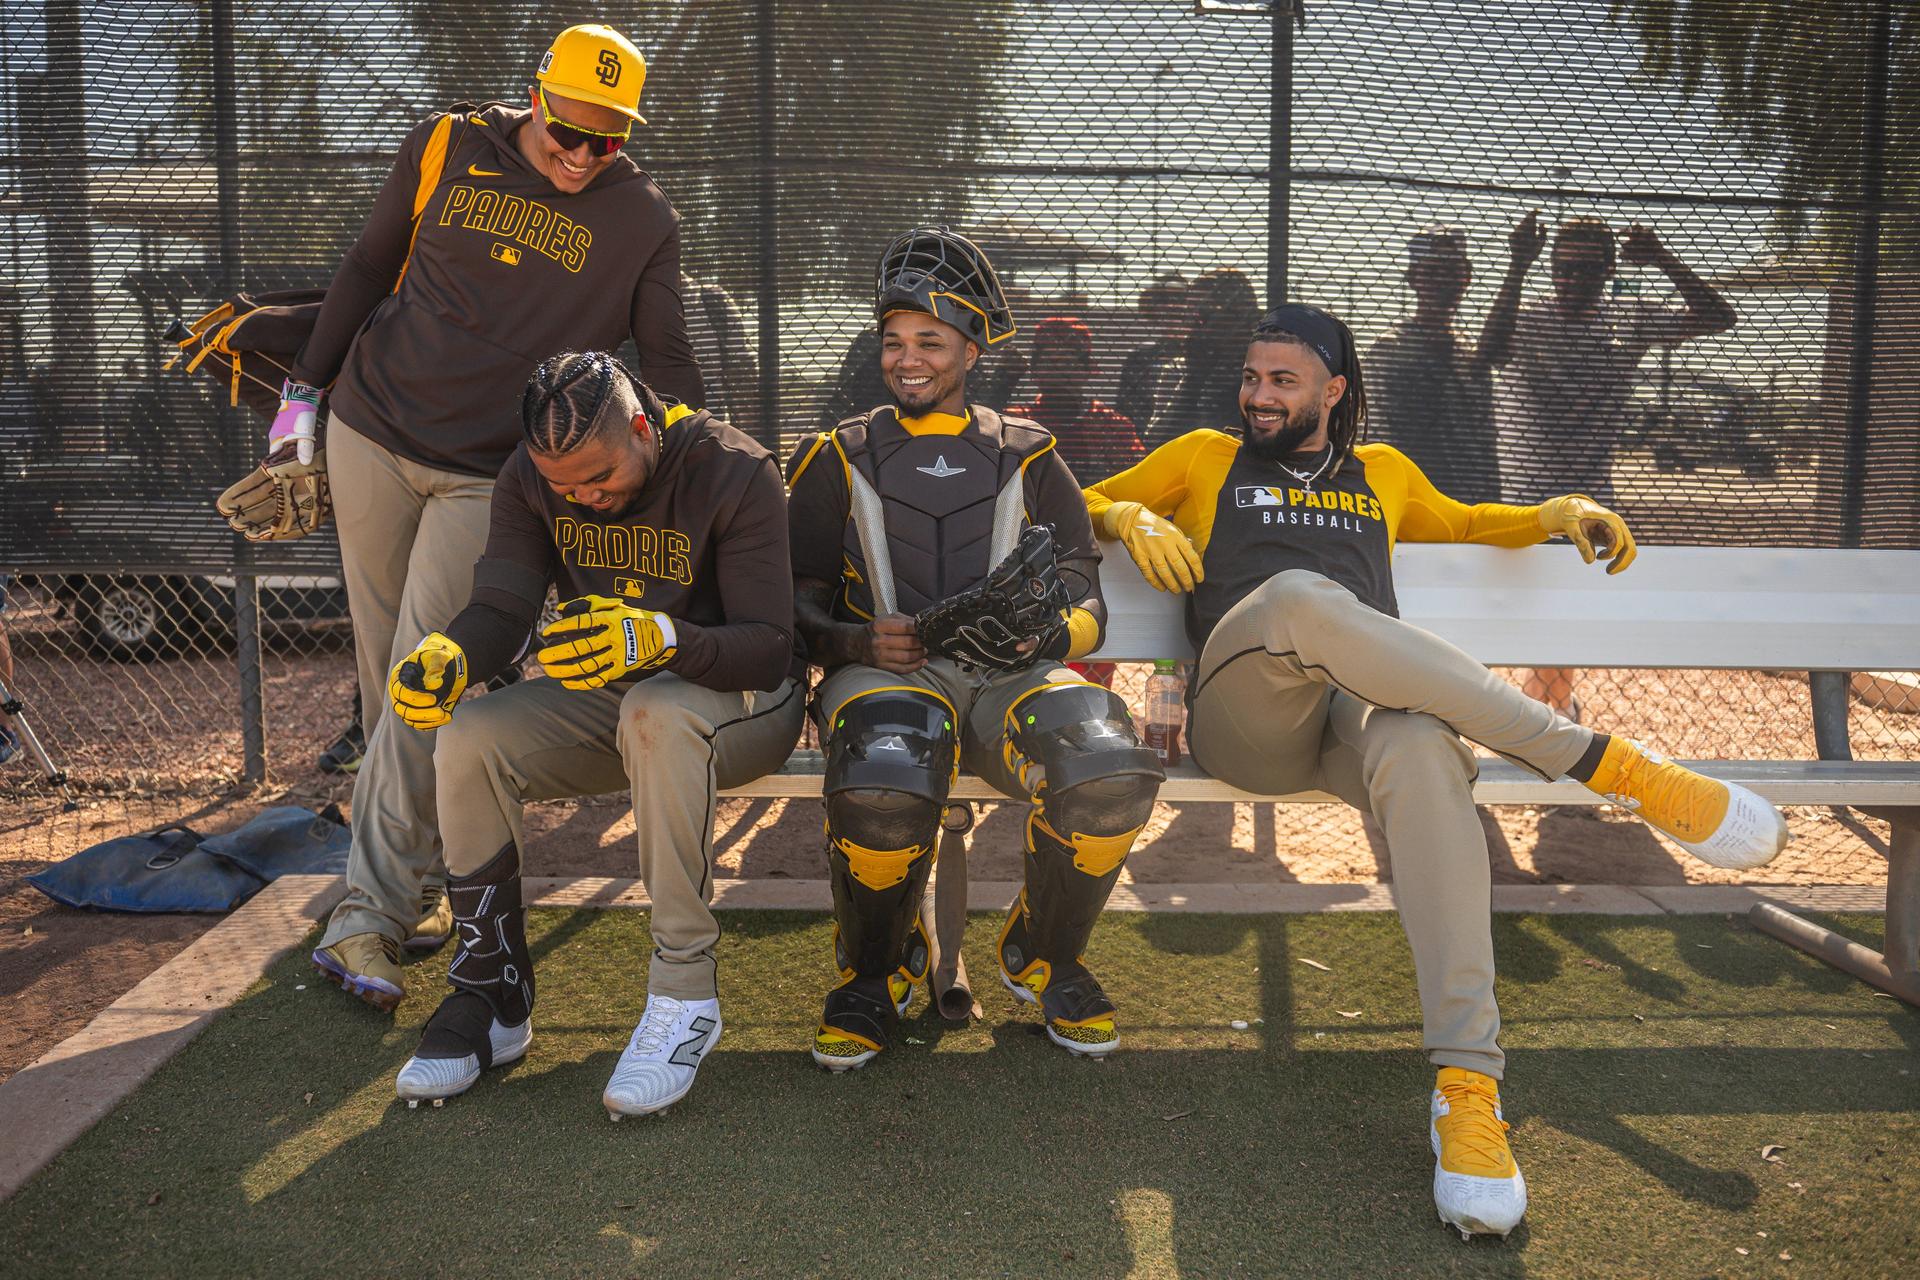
(594, 63)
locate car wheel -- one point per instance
(127, 619)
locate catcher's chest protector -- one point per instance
(939, 496)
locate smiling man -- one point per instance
(501, 236)
(672, 674)
(1283, 534)
(900, 508)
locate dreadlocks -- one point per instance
(1328, 337)
(575, 396)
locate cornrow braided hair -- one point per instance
(574, 396)
(1347, 420)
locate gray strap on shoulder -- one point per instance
(870, 523)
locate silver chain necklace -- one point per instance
(1306, 482)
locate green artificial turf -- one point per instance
(1650, 1062)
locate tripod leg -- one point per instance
(55, 775)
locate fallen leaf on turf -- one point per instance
(1829, 1026)
(1345, 1014)
(27, 930)
(634, 1205)
(1742, 1252)
(1639, 1017)
(1770, 1153)
(1761, 1234)
(1319, 1035)
(1884, 995)
(1315, 964)
(911, 1040)
(1238, 1024)
(1178, 1115)
(154, 1198)
(1798, 1186)
(1785, 1256)
(309, 1099)
(1703, 946)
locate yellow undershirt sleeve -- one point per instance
(1431, 516)
(1157, 482)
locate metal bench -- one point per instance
(1828, 612)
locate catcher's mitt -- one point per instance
(281, 499)
(1022, 598)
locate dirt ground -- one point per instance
(159, 742)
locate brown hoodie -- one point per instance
(505, 272)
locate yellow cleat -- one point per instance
(1717, 822)
(435, 925)
(836, 1052)
(1477, 1186)
(366, 965)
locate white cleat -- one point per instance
(437, 1079)
(657, 1068)
(1477, 1187)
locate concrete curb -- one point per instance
(78, 1082)
(1260, 899)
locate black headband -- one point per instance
(1320, 331)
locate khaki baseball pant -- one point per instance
(409, 536)
(1302, 687)
(672, 742)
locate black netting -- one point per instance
(1747, 371)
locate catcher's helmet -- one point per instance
(946, 275)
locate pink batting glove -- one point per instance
(299, 410)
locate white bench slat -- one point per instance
(1866, 782)
(1778, 608)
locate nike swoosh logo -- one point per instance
(478, 172)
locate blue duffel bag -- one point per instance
(285, 841)
(175, 868)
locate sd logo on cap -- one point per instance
(594, 63)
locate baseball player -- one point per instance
(539, 236)
(1282, 534)
(894, 511)
(672, 670)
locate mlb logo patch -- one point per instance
(546, 62)
(631, 588)
(506, 253)
(1257, 495)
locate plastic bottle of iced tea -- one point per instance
(1166, 710)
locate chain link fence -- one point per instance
(1459, 180)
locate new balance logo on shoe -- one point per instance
(693, 1048)
(940, 470)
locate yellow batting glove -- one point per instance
(1166, 557)
(1590, 527)
(425, 685)
(599, 640)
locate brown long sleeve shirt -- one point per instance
(705, 543)
(506, 271)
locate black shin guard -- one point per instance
(492, 971)
(890, 761)
(1097, 792)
